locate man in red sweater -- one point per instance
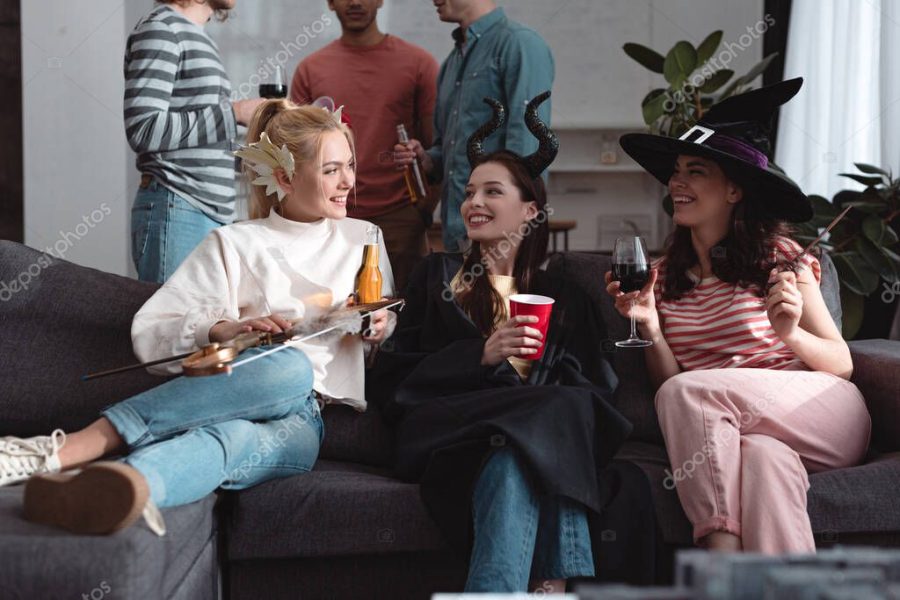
(382, 82)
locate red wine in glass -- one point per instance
(276, 88)
(631, 277)
(272, 90)
(631, 268)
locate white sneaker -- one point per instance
(22, 458)
(154, 519)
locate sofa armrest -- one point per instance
(876, 372)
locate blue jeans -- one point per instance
(520, 535)
(192, 435)
(165, 228)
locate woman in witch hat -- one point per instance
(511, 452)
(752, 371)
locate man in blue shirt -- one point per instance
(495, 57)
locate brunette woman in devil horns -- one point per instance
(509, 449)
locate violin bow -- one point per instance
(218, 357)
(793, 265)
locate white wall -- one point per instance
(596, 84)
(77, 161)
(76, 193)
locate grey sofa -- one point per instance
(348, 529)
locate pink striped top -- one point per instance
(720, 325)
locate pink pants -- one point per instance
(741, 441)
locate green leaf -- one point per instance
(893, 256)
(732, 87)
(855, 273)
(871, 169)
(876, 259)
(652, 94)
(648, 58)
(708, 46)
(890, 237)
(873, 228)
(759, 68)
(716, 80)
(823, 210)
(654, 109)
(679, 63)
(852, 307)
(866, 207)
(870, 181)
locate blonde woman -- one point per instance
(296, 257)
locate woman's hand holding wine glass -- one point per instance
(631, 284)
(644, 307)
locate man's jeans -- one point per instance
(165, 228)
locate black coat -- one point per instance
(450, 411)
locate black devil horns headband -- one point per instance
(548, 145)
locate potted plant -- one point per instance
(693, 77)
(864, 247)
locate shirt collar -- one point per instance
(315, 229)
(479, 27)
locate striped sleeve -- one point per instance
(787, 250)
(151, 125)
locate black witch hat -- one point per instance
(548, 145)
(735, 132)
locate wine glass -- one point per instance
(277, 88)
(631, 268)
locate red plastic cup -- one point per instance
(533, 305)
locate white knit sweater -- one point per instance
(257, 268)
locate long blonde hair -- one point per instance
(301, 128)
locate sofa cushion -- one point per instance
(44, 562)
(853, 500)
(357, 437)
(876, 372)
(338, 509)
(61, 321)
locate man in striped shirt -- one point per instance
(180, 121)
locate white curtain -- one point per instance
(848, 52)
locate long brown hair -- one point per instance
(479, 299)
(742, 257)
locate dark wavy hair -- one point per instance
(480, 300)
(742, 257)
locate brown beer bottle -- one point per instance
(415, 183)
(368, 278)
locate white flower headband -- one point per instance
(264, 156)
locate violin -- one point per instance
(222, 357)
